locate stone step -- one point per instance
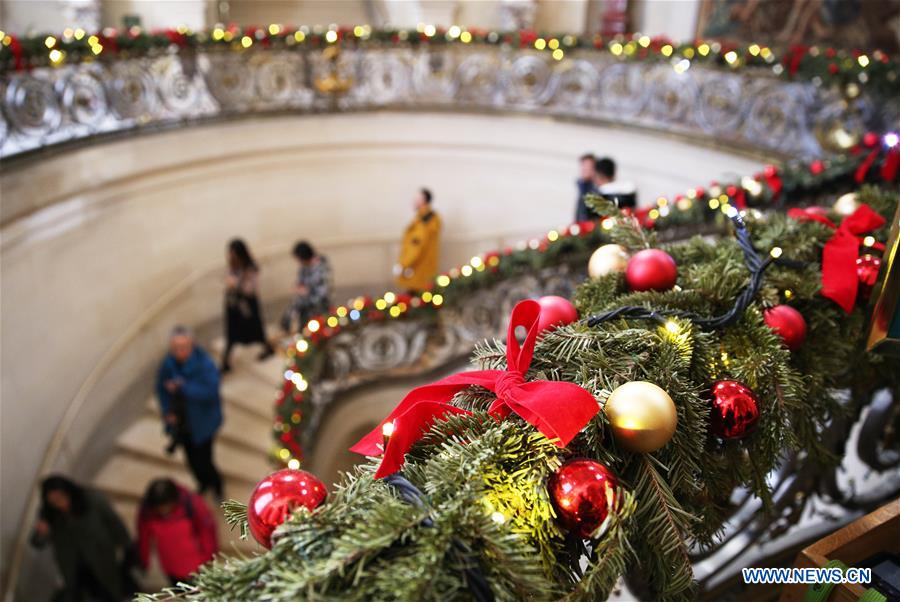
(144, 438)
(217, 345)
(249, 393)
(125, 477)
(241, 427)
(248, 429)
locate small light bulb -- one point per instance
(387, 429)
(498, 518)
(673, 327)
(293, 463)
(869, 241)
(775, 252)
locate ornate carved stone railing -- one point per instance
(748, 108)
(389, 349)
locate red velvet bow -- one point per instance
(839, 279)
(559, 410)
(773, 181)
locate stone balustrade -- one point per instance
(748, 108)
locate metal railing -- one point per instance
(748, 108)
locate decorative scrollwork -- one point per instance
(434, 75)
(477, 77)
(177, 88)
(622, 90)
(752, 108)
(778, 114)
(577, 84)
(84, 97)
(229, 80)
(530, 80)
(32, 105)
(385, 78)
(721, 103)
(673, 95)
(279, 77)
(131, 89)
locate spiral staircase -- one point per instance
(241, 449)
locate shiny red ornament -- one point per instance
(816, 167)
(582, 492)
(867, 268)
(555, 311)
(788, 323)
(735, 409)
(651, 270)
(276, 496)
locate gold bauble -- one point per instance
(846, 204)
(607, 259)
(642, 416)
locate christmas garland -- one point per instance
(596, 449)
(875, 160)
(849, 70)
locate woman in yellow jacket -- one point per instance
(418, 262)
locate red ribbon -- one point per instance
(870, 140)
(773, 180)
(18, 56)
(559, 410)
(889, 167)
(839, 279)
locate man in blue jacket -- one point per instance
(187, 387)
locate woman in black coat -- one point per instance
(91, 544)
(243, 318)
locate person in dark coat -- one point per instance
(585, 184)
(90, 542)
(312, 291)
(243, 319)
(623, 194)
(187, 387)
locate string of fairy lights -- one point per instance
(822, 65)
(717, 201)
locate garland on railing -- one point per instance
(875, 160)
(847, 69)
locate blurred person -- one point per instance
(585, 184)
(418, 263)
(623, 194)
(180, 526)
(243, 323)
(312, 292)
(90, 543)
(187, 387)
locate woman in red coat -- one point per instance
(180, 525)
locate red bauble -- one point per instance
(867, 268)
(651, 270)
(555, 311)
(582, 492)
(276, 496)
(816, 167)
(788, 323)
(735, 409)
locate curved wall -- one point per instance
(104, 248)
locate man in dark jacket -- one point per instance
(187, 388)
(585, 184)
